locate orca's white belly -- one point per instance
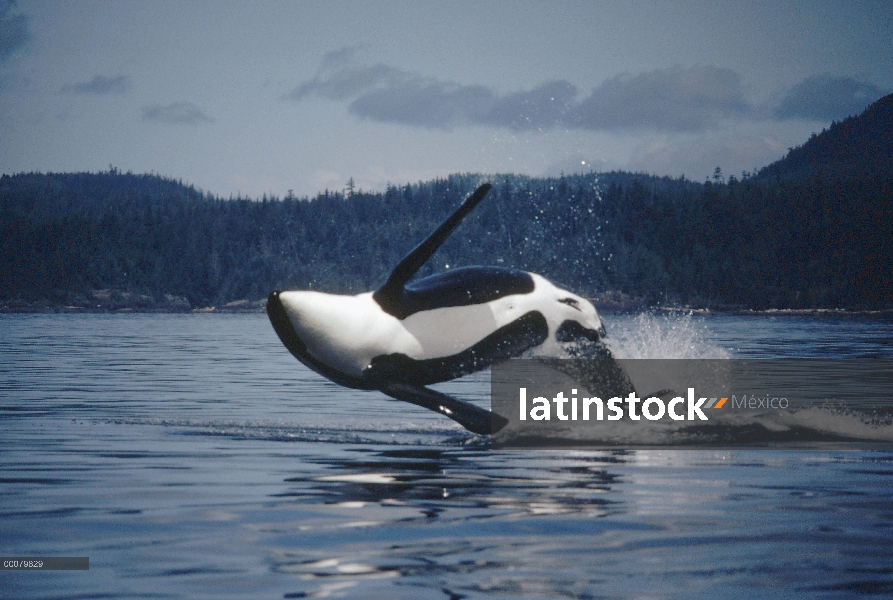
(445, 331)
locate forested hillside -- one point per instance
(813, 238)
(858, 146)
(747, 243)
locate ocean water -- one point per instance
(190, 456)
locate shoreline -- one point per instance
(825, 312)
(259, 307)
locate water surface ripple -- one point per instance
(191, 456)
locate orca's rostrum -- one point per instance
(405, 336)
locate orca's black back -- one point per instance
(461, 287)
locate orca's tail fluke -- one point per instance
(392, 290)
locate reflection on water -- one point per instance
(441, 519)
(191, 456)
(436, 481)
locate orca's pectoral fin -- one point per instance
(473, 418)
(392, 290)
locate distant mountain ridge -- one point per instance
(858, 146)
(809, 231)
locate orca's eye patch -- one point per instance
(572, 303)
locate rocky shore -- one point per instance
(119, 301)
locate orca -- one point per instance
(408, 335)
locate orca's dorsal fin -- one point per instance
(390, 293)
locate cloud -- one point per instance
(697, 156)
(100, 86)
(13, 30)
(425, 103)
(827, 98)
(675, 99)
(348, 82)
(178, 113)
(546, 106)
(383, 93)
(340, 57)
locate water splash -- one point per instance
(686, 336)
(650, 335)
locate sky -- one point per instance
(267, 97)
